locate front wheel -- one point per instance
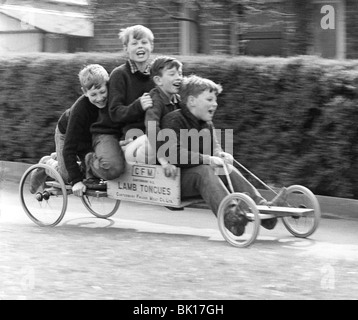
(247, 207)
(305, 225)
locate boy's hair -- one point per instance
(138, 31)
(195, 85)
(163, 62)
(93, 75)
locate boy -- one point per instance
(73, 138)
(198, 177)
(166, 73)
(129, 87)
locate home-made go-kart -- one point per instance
(148, 184)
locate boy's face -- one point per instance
(139, 50)
(170, 80)
(203, 106)
(97, 96)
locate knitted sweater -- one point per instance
(162, 105)
(124, 109)
(75, 124)
(190, 152)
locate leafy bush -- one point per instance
(294, 119)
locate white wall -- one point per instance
(20, 42)
(17, 37)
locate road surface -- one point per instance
(147, 252)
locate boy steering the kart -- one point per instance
(198, 165)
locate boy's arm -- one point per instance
(153, 117)
(175, 124)
(118, 111)
(217, 150)
(152, 121)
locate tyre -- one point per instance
(305, 225)
(248, 208)
(98, 204)
(48, 204)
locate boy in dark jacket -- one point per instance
(199, 161)
(129, 98)
(73, 137)
(167, 75)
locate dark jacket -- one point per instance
(162, 105)
(75, 124)
(196, 139)
(124, 108)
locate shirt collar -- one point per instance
(175, 99)
(135, 69)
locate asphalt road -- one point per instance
(147, 252)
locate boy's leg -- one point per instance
(39, 176)
(202, 180)
(60, 142)
(140, 151)
(107, 161)
(241, 184)
(130, 150)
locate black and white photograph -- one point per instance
(178, 156)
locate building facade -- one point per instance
(327, 28)
(44, 26)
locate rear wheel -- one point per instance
(248, 208)
(98, 203)
(47, 205)
(305, 225)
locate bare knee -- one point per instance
(114, 171)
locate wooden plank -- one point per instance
(285, 211)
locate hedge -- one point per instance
(294, 119)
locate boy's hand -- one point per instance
(170, 170)
(216, 162)
(146, 101)
(227, 157)
(79, 189)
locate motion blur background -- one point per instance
(287, 67)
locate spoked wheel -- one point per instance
(247, 207)
(98, 203)
(47, 205)
(305, 225)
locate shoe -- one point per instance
(95, 184)
(269, 224)
(280, 199)
(38, 176)
(235, 221)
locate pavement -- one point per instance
(148, 252)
